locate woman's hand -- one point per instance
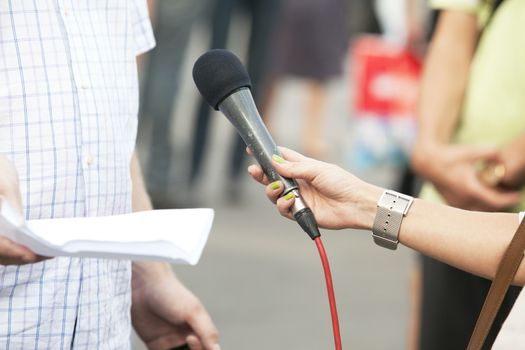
(453, 170)
(337, 198)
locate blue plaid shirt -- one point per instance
(68, 119)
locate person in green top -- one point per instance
(469, 147)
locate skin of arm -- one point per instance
(445, 77)
(164, 312)
(469, 240)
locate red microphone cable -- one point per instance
(331, 294)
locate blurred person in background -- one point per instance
(310, 44)
(173, 22)
(263, 15)
(471, 118)
(362, 18)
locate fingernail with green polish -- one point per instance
(275, 185)
(278, 159)
(288, 196)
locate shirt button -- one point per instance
(66, 11)
(83, 84)
(89, 160)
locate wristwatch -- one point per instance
(392, 207)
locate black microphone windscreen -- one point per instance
(217, 74)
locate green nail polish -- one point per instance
(275, 185)
(278, 159)
(288, 196)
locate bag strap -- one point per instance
(505, 274)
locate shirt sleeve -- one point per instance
(141, 27)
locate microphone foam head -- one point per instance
(217, 74)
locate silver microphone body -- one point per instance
(239, 107)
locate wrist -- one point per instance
(367, 207)
(142, 271)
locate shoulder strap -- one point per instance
(505, 274)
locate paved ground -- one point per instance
(261, 279)
(260, 276)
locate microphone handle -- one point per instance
(241, 111)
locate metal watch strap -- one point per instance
(391, 208)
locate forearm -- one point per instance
(445, 76)
(141, 202)
(469, 240)
(142, 271)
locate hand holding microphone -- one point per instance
(339, 199)
(224, 83)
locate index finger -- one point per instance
(205, 330)
(287, 153)
(291, 155)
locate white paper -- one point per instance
(172, 235)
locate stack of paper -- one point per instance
(173, 235)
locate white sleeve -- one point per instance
(141, 26)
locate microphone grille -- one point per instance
(217, 74)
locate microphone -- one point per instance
(224, 83)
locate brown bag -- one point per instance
(506, 270)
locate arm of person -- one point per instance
(445, 76)
(471, 241)
(452, 169)
(164, 312)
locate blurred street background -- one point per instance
(260, 276)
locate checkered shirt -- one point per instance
(68, 119)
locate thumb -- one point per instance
(304, 169)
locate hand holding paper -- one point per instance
(174, 235)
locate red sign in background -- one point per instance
(385, 78)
